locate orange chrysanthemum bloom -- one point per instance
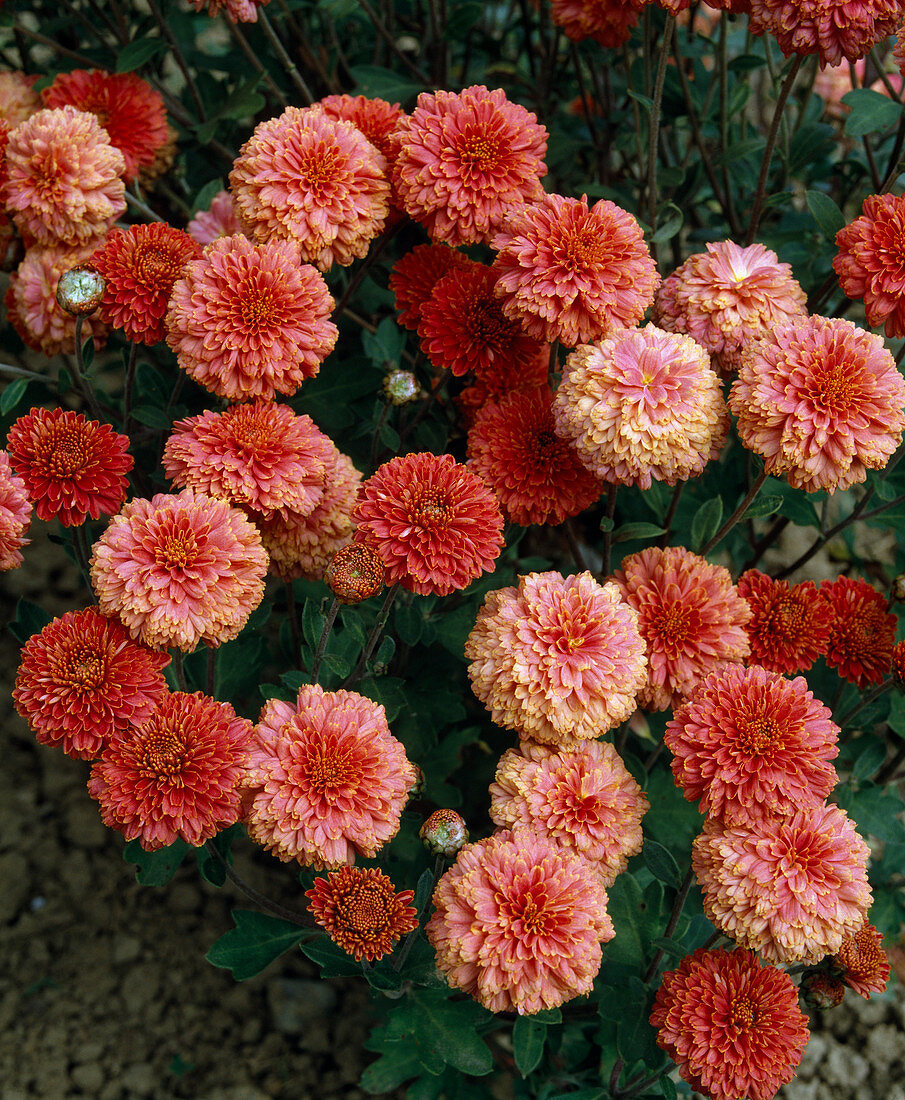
(238, 11)
(789, 626)
(537, 475)
(559, 658)
(870, 262)
(355, 573)
(572, 273)
(731, 1025)
(689, 614)
(250, 320)
(307, 178)
(73, 467)
(726, 297)
(219, 220)
(415, 275)
(376, 118)
(863, 962)
(435, 524)
(862, 631)
(83, 680)
(495, 384)
(518, 922)
(584, 798)
(18, 99)
(898, 664)
(327, 780)
(832, 29)
(750, 744)
(821, 401)
(127, 107)
(608, 22)
(175, 775)
(178, 570)
(15, 515)
(64, 182)
(791, 889)
(361, 911)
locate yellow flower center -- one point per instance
(164, 752)
(84, 667)
(65, 453)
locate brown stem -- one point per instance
(285, 60)
(663, 541)
(322, 641)
(758, 204)
(654, 135)
(179, 58)
(678, 906)
(374, 637)
(78, 369)
(743, 506)
(825, 536)
(304, 920)
(254, 60)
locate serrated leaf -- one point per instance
(661, 864)
(528, 1039)
(12, 395)
(391, 1069)
(254, 943)
(155, 868)
(871, 112)
(630, 531)
(152, 417)
(826, 213)
(138, 53)
(706, 521)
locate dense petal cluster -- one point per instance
(376, 118)
(415, 275)
(18, 99)
(15, 515)
(237, 11)
(355, 573)
(219, 220)
(863, 962)
(608, 22)
(361, 911)
(832, 29)
(870, 262)
(790, 624)
(862, 632)
(504, 379)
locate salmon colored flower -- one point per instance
(361, 911)
(18, 99)
(790, 625)
(219, 220)
(870, 262)
(862, 632)
(237, 11)
(608, 22)
(15, 515)
(863, 962)
(415, 275)
(376, 118)
(832, 29)
(506, 378)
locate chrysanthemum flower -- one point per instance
(127, 107)
(327, 780)
(689, 614)
(176, 775)
(898, 665)
(832, 29)
(641, 405)
(559, 659)
(898, 50)
(870, 262)
(83, 680)
(415, 275)
(258, 455)
(731, 1025)
(307, 178)
(65, 178)
(435, 524)
(361, 911)
(790, 624)
(250, 320)
(862, 631)
(180, 569)
(518, 922)
(376, 118)
(608, 22)
(791, 889)
(238, 11)
(819, 989)
(355, 573)
(444, 833)
(584, 798)
(821, 401)
(18, 99)
(863, 962)
(750, 744)
(15, 515)
(73, 467)
(501, 381)
(536, 475)
(727, 296)
(219, 220)
(573, 274)
(465, 159)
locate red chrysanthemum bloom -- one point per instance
(259, 455)
(250, 320)
(821, 401)
(690, 615)
(818, 989)
(64, 183)
(832, 29)
(750, 744)
(726, 297)
(376, 118)
(898, 664)
(15, 515)
(127, 107)
(83, 680)
(415, 275)
(140, 265)
(465, 159)
(584, 798)
(180, 569)
(572, 273)
(863, 962)
(361, 911)
(791, 889)
(871, 261)
(518, 922)
(608, 22)
(559, 659)
(790, 625)
(73, 467)
(319, 182)
(219, 220)
(18, 99)
(731, 1025)
(327, 780)
(862, 632)
(501, 381)
(238, 11)
(434, 523)
(537, 475)
(176, 775)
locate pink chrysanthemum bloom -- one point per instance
(821, 401)
(791, 889)
(307, 178)
(64, 182)
(731, 1025)
(537, 476)
(415, 275)
(689, 614)
(726, 297)
(507, 378)
(219, 220)
(862, 631)
(175, 775)
(572, 273)
(327, 780)
(641, 405)
(178, 570)
(870, 262)
(238, 11)
(361, 911)
(376, 118)
(518, 922)
(18, 99)
(585, 799)
(863, 962)
(559, 659)
(465, 159)
(15, 515)
(435, 524)
(790, 625)
(250, 320)
(608, 22)
(82, 680)
(750, 744)
(898, 50)
(832, 29)
(259, 455)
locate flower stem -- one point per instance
(663, 541)
(678, 906)
(875, 692)
(608, 534)
(374, 637)
(179, 58)
(305, 920)
(654, 135)
(78, 369)
(324, 638)
(758, 205)
(743, 506)
(285, 60)
(824, 537)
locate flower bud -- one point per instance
(821, 990)
(401, 387)
(444, 832)
(355, 573)
(897, 588)
(80, 290)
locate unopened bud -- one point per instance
(401, 387)
(355, 573)
(444, 832)
(897, 588)
(821, 990)
(80, 291)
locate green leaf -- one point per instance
(12, 395)
(155, 868)
(874, 810)
(152, 417)
(88, 353)
(871, 112)
(670, 947)
(206, 195)
(607, 524)
(30, 619)
(139, 53)
(871, 754)
(312, 622)
(212, 869)
(339, 666)
(393, 1067)
(826, 213)
(669, 221)
(630, 531)
(254, 943)
(443, 1030)
(625, 900)
(740, 149)
(706, 521)
(461, 19)
(761, 507)
(244, 101)
(330, 957)
(668, 1088)
(387, 691)
(409, 623)
(661, 864)
(372, 80)
(528, 1040)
